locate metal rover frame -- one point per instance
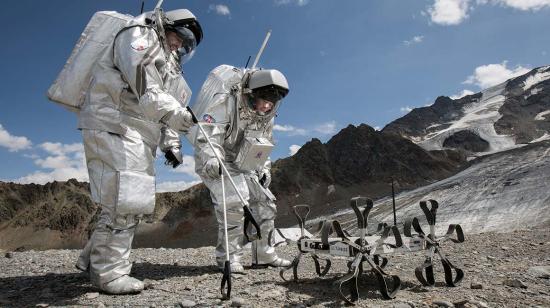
(371, 248)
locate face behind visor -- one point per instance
(265, 86)
(188, 42)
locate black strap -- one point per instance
(448, 267)
(248, 218)
(388, 291)
(321, 270)
(427, 267)
(350, 279)
(362, 215)
(455, 228)
(293, 266)
(377, 259)
(429, 213)
(226, 279)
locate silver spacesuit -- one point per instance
(136, 99)
(241, 135)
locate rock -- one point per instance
(539, 271)
(238, 302)
(401, 305)
(479, 304)
(42, 305)
(9, 255)
(515, 283)
(92, 295)
(100, 305)
(148, 284)
(505, 248)
(476, 285)
(442, 303)
(187, 303)
(491, 258)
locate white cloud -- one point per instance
(415, 40)
(187, 166)
(13, 143)
(175, 186)
(293, 149)
(62, 162)
(377, 128)
(297, 2)
(524, 5)
(291, 130)
(405, 109)
(492, 74)
(462, 94)
(220, 9)
(449, 12)
(328, 128)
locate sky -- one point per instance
(347, 62)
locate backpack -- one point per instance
(70, 87)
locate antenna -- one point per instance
(142, 4)
(261, 49)
(158, 4)
(247, 62)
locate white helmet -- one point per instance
(265, 85)
(187, 28)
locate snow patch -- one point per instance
(542, 116)
(539, 77)
(479, 117)
(546, 136)
(331, 189)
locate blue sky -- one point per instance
(347, 62)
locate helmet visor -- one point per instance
(188, 43)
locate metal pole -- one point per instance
(261, 49)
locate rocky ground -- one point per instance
(501, 270)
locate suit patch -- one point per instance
(140, 44)
(208, 118)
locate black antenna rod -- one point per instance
(142, 4)
(247, 61)
(393, 199)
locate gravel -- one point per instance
(189, 278)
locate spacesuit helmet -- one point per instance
(187, 28)
(264, 91)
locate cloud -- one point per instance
(524, 5)
(377, 128)
(405, 109)
(13, 143)
(293, 149)
(60, 163)
(296, 2)
(187, 166)
(449, 12)
(462, 94)
(291, 130)
(175, 186)
(489, 75)
(220, 9)
(327, 128)
(415, 40)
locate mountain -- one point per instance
(356, 160)
(484, 156)
(499, 118)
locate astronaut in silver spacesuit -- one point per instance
(237, 109)
(136, 102)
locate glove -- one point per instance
(180, 120)
(265, 178)
(212, 168)
(173, 157)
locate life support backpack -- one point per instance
(70, 87)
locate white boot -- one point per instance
(123, 285)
